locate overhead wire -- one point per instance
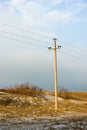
(36, 44)
(69, 53)
(70, 47)
(32, 43)
(77, 57)
(29, 31)
(22, 36)
(75, 51)
(37, 33)
(73, 46)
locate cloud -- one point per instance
(78, 9)
(39, 14)
(59, 16)
(57, 2)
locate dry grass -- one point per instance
(27, 101)
(69, 95)
(73, 95)
(46, 109)
(24, 89)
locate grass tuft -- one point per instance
(24, 89)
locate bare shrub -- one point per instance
(64, 93)
(24, 89)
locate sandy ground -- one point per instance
(71, 114)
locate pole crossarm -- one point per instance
(55, 71)
(50, 48)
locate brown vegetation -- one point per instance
(73, 95)
(28, 100)
(24, 89)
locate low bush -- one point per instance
(65, 95)
(24, 89)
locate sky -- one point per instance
(27, 29)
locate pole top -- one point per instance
(54, 39)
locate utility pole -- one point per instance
(55, 71)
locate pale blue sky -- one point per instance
(23, 62)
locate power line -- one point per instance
(4, 37)
(22, 36)
(30, 42)
(77, 57)
(76, 51)
(28, 31)
(73, 46)
(42, 46)
(11, 26)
